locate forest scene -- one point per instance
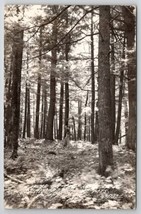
(70, 106)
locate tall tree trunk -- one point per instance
(130, 34)
(67, 48)
(104, 96)
(93, 81)
(79, 136)
(112, 83)
(17, 52)
(96, 127)
(85, 117)
(45, 113)
(51, 112)
(73, 120)
(120, 99)
(28, 112)
(36, 130)
(66, 108)
(42, 114)
(34, 110)
(8, 108)
(61, 111)
(126, 120)
(25, 113)
(113, 110)
(89, 130)
(55, 125)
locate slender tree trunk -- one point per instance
(112, 83)
(66, 108)
(104, 96)
(61, 111)
(126, 120)
(17, 53)
(74, 128)
(28, 112)
(25, 113)
(93, 81)
(120, 99)
(42, 115)
(67, 48)
(113, 110)
(51, 112)
(8, 109)
(89, 130)
(96, 124)
(34, 110)
(55, 126)
(21, 116)
(85, 117)
(36, 130)
(79, 136)
(96, 127)
(45, 113)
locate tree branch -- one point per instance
(63, 36)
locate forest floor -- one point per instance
(48, 175)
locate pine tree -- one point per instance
(104, 102)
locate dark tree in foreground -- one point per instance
(104, 102)
(17, 52)
(130, 34)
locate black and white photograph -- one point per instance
(70, 90)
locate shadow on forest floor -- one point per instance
(48, 175)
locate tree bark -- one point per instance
(120, 98)
(61, 111)
(79, 136)
(104, 96)
(113, 110)
(130, 34)
(67, 48)
(112, 83)
(42, 115)
(36, 130)
(74, 129)
(66, 108)
(28, 112)
(25, 112)
(17, 52)
(45, 113)
(93, 81)
(96, 127)
(126, 119)
(85, 117)
(8, 108)
(51, 112)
